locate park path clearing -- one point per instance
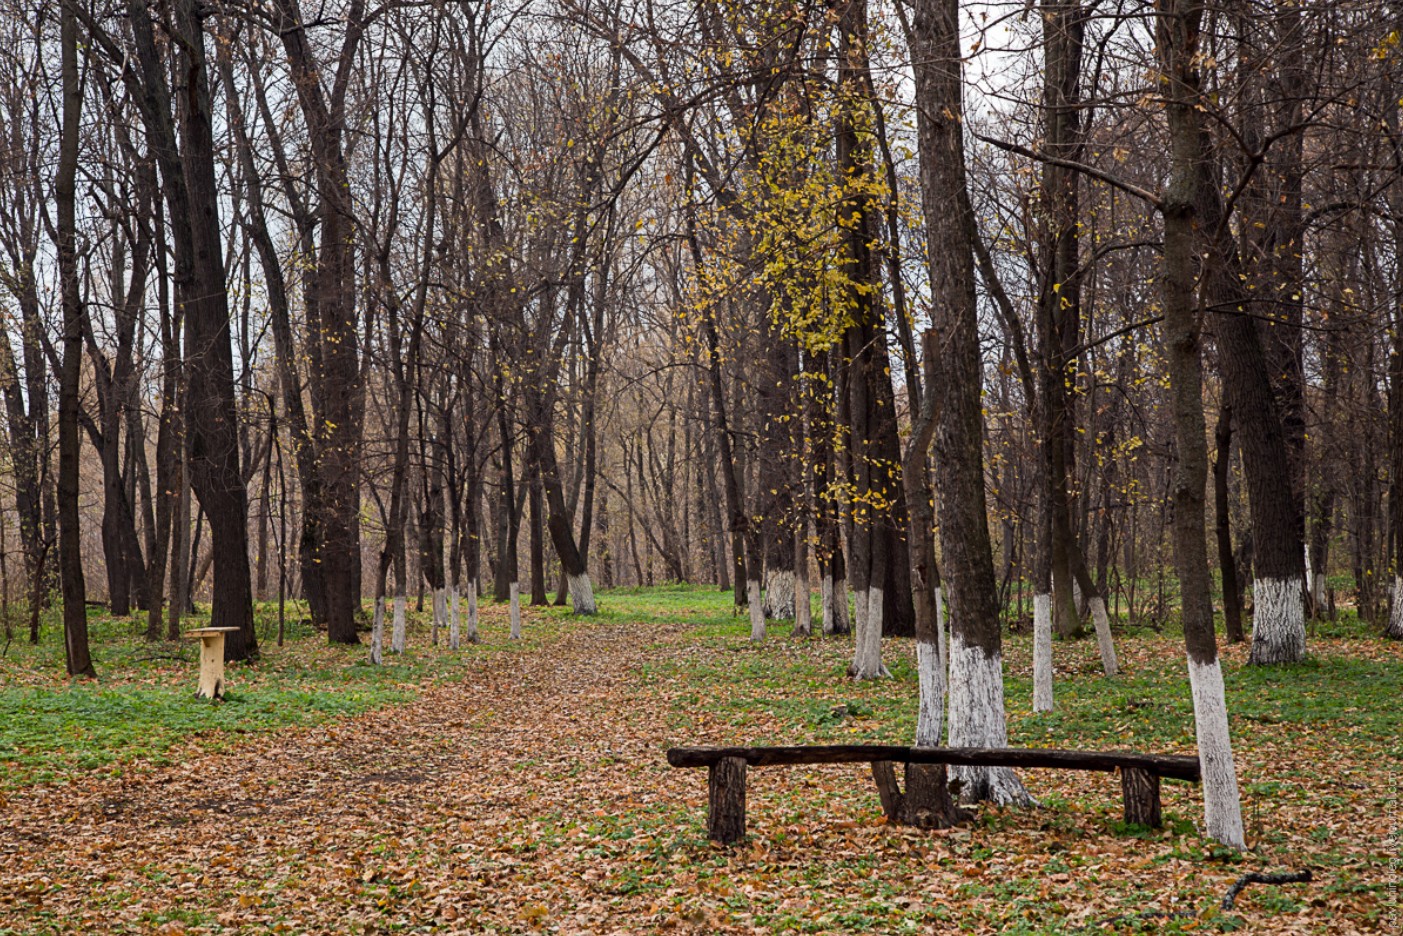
(532, 796)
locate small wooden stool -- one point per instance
(211, 660)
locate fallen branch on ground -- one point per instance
(1256, 877)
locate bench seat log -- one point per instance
(1140, 773)
(1173, 766)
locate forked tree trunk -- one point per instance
(926, 802)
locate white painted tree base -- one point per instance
(930, 677)
(941, 626)
(455, 623)
(1104, 643)
(1395, 618)
(397, 634)
(803, 610)
(1042, 653)
(779, 594)
(1222, 807)
(581, 593)
(859, 616)
(472, 635)
(1278, 622)
(515, 591)
(977, 720)
(440, 611)
(867, 652)
(377, 633)
(825, 589)
(756, 609)
(842, 618)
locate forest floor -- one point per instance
(523, 789)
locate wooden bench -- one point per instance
(1140, 773)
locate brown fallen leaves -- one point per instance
(533, 796)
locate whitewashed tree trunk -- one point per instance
(440, 612)
(867, 651)
(472, 611)
(977, 720)
(1310, 576)
(842, 614)
(836, 616)
(515, 590)
(1278, 621)
(1104, 643)
(1395, 619)
(779, 594)
(1042, 653)
(454, 622)
(756, 608)
(1221, 805)
(377, 633)
(930, 677)
(1319, 586)
(397, 635)
(803, 610)
(825, 587)
(581, 593)
(940, 636)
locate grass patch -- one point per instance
(142, 706)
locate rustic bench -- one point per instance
(1140, 773)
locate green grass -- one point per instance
(142, 705)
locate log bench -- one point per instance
(1140, 773)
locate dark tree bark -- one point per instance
(976, 675)
(880, 564)
(1059, 302)
(331, 505)
(213, 423)
(75, 611)
(1232, 591)
(1394, 127)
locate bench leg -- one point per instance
(1141, 789)
(725, 783)
(887, 789)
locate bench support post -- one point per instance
(1141, 789)
(726, 792)
(888, 790)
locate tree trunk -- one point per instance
(1232, 592)
(976, 671)
(1394, 116)
(1178, 44)
(75, 611)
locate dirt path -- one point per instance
(412, 817)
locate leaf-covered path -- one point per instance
(532, 795)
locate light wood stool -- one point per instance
(211, 660)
